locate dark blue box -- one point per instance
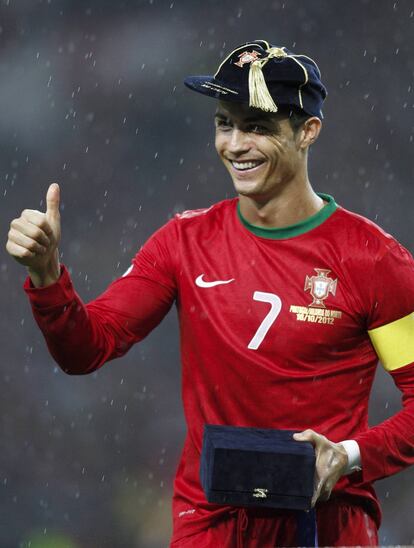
(256, 467)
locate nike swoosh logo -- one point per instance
(202, 283)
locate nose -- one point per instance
(238, 142)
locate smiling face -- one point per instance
(260, 150)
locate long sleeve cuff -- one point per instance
(59, 293)
(354, 456)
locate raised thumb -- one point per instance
(52, 202)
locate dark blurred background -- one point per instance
(91, 96)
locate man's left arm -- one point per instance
(389, 447)
(378, 452)
(386, 448)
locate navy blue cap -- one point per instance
(265, 77)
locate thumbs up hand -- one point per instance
(34, 237)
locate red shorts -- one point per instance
(339, 524)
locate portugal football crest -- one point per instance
(247, 57)
(320, 286)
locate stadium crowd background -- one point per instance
(91, 96)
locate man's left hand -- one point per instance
(331, 463)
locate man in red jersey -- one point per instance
(285, 301)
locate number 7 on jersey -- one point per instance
(276, 307)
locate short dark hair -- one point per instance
(297, 116)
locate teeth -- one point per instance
(245, 165)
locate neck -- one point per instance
(292, 204)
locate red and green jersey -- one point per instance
(280, 328)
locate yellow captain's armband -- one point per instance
(394, 342)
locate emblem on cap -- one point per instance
(247, 57)
(320, 286)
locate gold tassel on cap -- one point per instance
(259, 96)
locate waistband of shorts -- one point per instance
(341, 501)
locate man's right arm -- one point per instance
(81, 337)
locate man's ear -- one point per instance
(309, 132)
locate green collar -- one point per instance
(297, 229)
